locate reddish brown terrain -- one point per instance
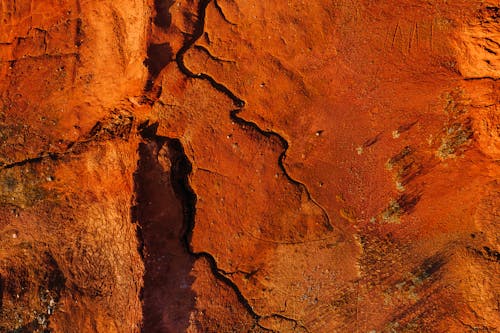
(249, 166)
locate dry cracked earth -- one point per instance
(249, 166)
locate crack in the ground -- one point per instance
(248, 124)
(184, 169)
(221, 13)
(284, 318)
(239, 103)
(30, 160)
(211, 56)
(115, 126)
(181, 169)
(479, 78)
(179, 57)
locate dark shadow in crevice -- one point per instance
(163, 18)
(159, 55)
(181, 170)
(162, 157)
(167, 295)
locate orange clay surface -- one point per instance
(249, 166)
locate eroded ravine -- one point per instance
(156, 304)
(245, 125)
(155, 205)
(182, 167)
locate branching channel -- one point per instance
(239, 104)
(182, 168)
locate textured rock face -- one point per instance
(237, 166)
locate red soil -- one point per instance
(237, 166)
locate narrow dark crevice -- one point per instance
(203, 49)
(221, 13)
(181, 170)
(179, 58)
(79, 35)
(167, 296)
(152, 194)
(163, 18)
(33, 160)
(245, 124)
(478, 78)
(159, 55)
(181, 167)
(109, 128)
